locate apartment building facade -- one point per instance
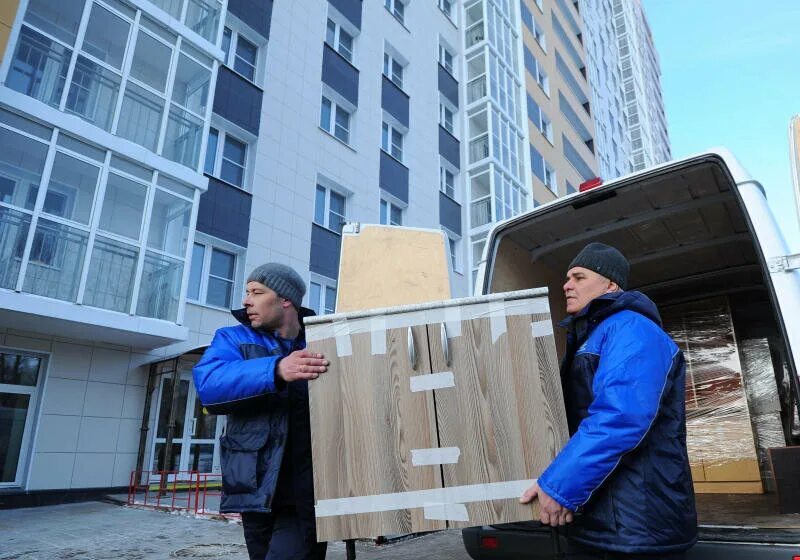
(641, 77)
(155, 151)
(794, 154)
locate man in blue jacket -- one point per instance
(625, 469)
(257, 373)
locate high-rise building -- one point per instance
(612, 139)
(794, 145)
(561, 132)
(153, 151)
(641, 77)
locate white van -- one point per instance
(694, 229)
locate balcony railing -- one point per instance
(476, 89)
(479, 148)
(475, 34)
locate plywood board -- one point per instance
(383, 266)
(728, 488)
(505, 412)
(365, 422)
(453, 441)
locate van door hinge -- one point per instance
(785, 263)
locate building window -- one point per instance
(547, 128)
(391, 214)
(241, 54)
(392, 141)
(550, 178)
(446, 58)
(339, 40)
(542, 80)
(446, 116)
(447, 8)
(454, 250)
(329, 209)
(335, 120)
(393, 69)
(228, 163)
(212, 276)
(322, 296)
(447, 181)
(397, 8)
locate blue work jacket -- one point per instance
(625, 469)
(266, 448)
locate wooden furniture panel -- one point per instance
(365, 422)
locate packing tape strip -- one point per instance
(418, 498)
(452, 316)
(431, 381)
(378, 334)
(497, 318)
(446, 512)
(452, 320)
(541, 328)
(341, 331)
(435, 456)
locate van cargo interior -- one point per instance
(686, 237)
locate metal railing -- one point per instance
(189, 491)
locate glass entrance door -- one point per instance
(196, 434)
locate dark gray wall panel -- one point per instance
(448, 85)
(325, 248)
(255, 13)
(393, 177)
(224, 212)
(339, 74)
(351, 9)
(237, 100)
(449, 147)
(395, 101)
(449, 213)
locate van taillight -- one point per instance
(590, 184)
(494, 542)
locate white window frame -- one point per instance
(210, 244)
(326, 209)
(389, 202)
(338, 29)
(546, 127)
(391, 7)
(446, 107)
(550, 178)
(454, 251)
(445, 168)
(229, 56)
(542, 79)
(448, 12)
(387, 139)
(239, 135)
(330, 126)
(444, 51)
(324, 283)
(390, 61)
(30, 425)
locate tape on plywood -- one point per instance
(419, 498)
(432, 381)
(541, 328)
(435, 456)
(446, 512)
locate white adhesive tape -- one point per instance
(341, 330)
(418, 498)
(541, 328)
(431, 381)
(315, 333)
(435, 456)
(446, 512)
(452, 320)
(497, 318)
(378, 334)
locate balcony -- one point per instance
(476, 89)
(475, 34)
(480, 212)
(479, 149)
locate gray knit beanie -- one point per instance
(282, 279)
(604, 260)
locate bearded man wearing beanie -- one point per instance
(257, 373)
(625, 469)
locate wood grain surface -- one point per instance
(505, 414)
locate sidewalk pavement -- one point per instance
(106, 531)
